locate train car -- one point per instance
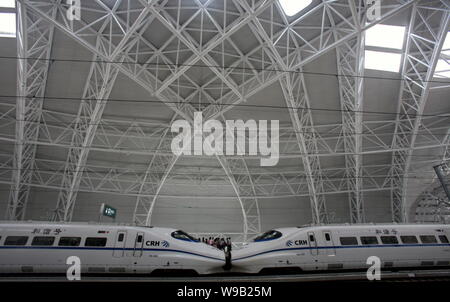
(345, 247)
(35, 247)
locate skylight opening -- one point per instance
(8, 3)
(386, 36)
(443, 65)
(446, 46)
(442, 69)
(293, 7)
(384, 44)
(8, 25)
(386, 61)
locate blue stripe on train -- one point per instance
(105, 248)
(343, 247)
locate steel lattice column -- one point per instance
(243, 184)
(296, 96)
(350, 67)
(423, 49)
(34, 44)
(99, 85)
(152, 181)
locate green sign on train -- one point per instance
(108, 211)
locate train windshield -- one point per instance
(270, 235)
(183, 236)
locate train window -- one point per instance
(348, 241)
(389, 239)
(443, 238)
(183, 236)
(327, 236)
(121, 236)
(311, 238)
(428, 239)
(270, 235)
(43, 240)
(16, 240)
(69, 241)
(366, 240)
(95, 241)
(139, 239)
(408, 239)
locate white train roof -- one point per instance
(364, 226)
(79, 224)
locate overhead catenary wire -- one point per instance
(138, 173)
(174, 205)
(331, 134)
(445, 114)
(106, 100)
(103, 149)
(173, 65)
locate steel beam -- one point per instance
(296, 95)
(141, 73)
(138, 137)
(280, 183)
(350, 65)
(98, 87)
(154, 178)
(423, 49)
(34, 45)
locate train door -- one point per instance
(312, 243)
(119, 245)
(138, 244)
(328, 243)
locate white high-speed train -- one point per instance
(345, 247)
(31, 247)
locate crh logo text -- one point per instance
(163, 243)
(213, 144)
(296, 242)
